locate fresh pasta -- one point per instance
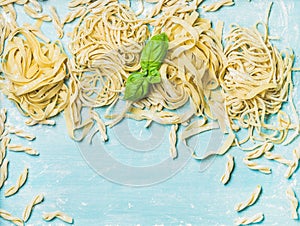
(294, 164)
(21, 148)
(3, 172)
(259, 151)
(101, 127)
(255, 166)
(256, 81)
(20, 182)
(3, 145)
(9, 217)
(58, 214)
(217, 5)
(294, 202)
(2, 121)
(229, 168)
(257, 218)
(38, 89)
(98, 69)
(277, 158)
(253, 198)
(34, 14)
(19, 132)
(56, 22)
(29, 208)
(173, 141)
(74, 14)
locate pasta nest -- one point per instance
(106, 46)
(256, 82)
(35, 72)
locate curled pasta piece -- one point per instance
(57, 214)
(56, 22)
(3, 145)
(29, 208)
(9, 217)
(173, 141)
(34, 14)
(2, 121)
(294, 202)
(19, 132)
(100, 125)
(20, 148)
(294, 164)
(259, 151)
(37, 6)
(217, 5)
(20, 182)
(253, 198)
(257, 218)
(72, 15)
(3, 172)
(254, 166)
(229, 168)
(32, 122)
(277, 158)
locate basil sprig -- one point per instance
(153, 55)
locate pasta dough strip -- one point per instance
(3, 172)
(294, 164)
(217, 5)
(294, 202)
(56, 22)
(277, 158)
(3, 145)
(173, 141)
(20, 182)
(57, 214)
(20, 148)
(253, 198)
(20, 132)
(29, 208)
(254, 166)
(7, 216)
(229, 168)
(257, 218)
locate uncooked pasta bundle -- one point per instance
(256, 81)
(105, 45)
(34, 75)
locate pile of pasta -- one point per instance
(35, 74)
(256, 82)
(106, 50)
(105, 45)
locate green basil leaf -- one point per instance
(155, 52)
(137, 86)
(153, 76)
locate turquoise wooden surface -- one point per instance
(194, 196)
